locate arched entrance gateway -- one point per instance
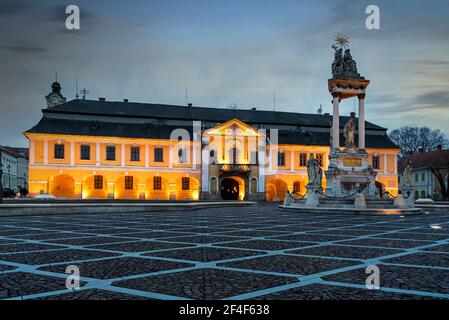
(230, 189)
(233, 188)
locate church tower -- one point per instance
(55, 97)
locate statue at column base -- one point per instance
(359, 202)
(400, 202)
(409, 196)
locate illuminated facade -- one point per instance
(122, 150)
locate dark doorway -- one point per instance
(229, 189)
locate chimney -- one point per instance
(440, 147)
(253, 109)
(189, 104)
(102, 99)
(125, 100)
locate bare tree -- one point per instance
(442, 176)
(410, 139)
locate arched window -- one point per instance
(213, 185)
(253, 185)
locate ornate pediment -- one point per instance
(233, 127)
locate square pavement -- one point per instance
(258, 253)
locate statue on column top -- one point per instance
(344, 66)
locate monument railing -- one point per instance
(336, 198)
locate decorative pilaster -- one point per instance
(45, 151)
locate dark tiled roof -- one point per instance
(16, 152)
(219, 115)
(323, 139)
(105, 129)
(436, 159)
(148, 130)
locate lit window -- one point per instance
(253, 185)
(185, 183)
(158, 155)
(157, 183)
(135, 154)
(85, 152)
(281, 159)
(129, 182)
(319, 158)
(303, 159)
(376, 162)
(110, 153)
(59, 151)
(182, 155)
(98, 182)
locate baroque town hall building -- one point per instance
(122, 150)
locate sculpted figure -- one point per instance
(349, 132)
(313, 171)
(407, 174)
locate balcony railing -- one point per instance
(240, 168)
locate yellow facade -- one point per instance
(74, 177)
(98, 176)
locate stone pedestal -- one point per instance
(349, 172)
(312, 199)
(359, 202)
(400, 202)
(287, 200)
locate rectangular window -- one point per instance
(129, 182)
(254, 157)
(296, 187)
(319, 158)
(416, 177)
(185, 183)
(158, 155)
(98, 182)
(135, 154)
(423, 177)
(376, 162)
(281, 159)
(59, 151)
(110, 153)
(157, 183)
(85, 152)
(303, 159)
(182, 155)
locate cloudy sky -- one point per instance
(234, 51)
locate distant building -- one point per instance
(424, 182)
(15, 167)
(124, 150)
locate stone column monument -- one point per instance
(348, 172)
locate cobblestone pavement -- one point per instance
(224, 253)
